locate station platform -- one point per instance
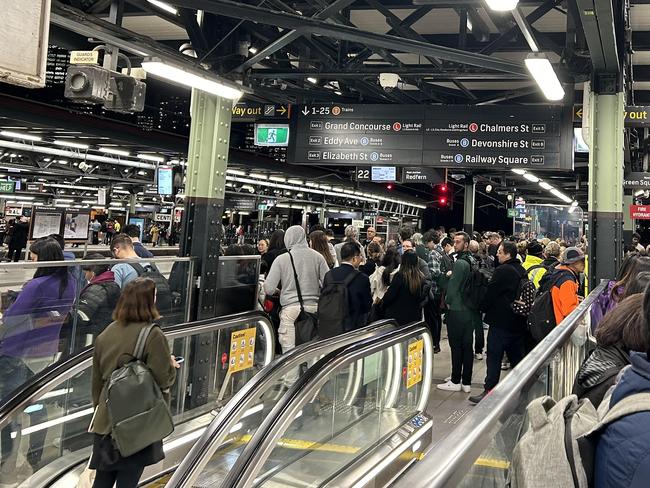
(349, 411)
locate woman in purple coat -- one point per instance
(29, 341)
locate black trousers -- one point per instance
(479, 337)
(14, 253)
(433, 320)
(124, 478)
(498, 342)
(460, 330)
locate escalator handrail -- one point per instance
(58, 372)
(285, 411)
(451, 459)
(204, 448)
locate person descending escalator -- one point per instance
(407, 292)
(134, 321)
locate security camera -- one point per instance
(388, 81)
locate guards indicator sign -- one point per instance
(271, 135)
(480, 137)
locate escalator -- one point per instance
(354, 418)
(43, 427)
(45, 442)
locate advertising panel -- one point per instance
(76, 225)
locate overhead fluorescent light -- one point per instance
(236, 172)
(638, 193)
(64, 200)
(501, 5)
(164, 6)
(545, 185)
(201, 80)
(561, 195)
(18, 135)
(531, 177)
(542, 71)
(117, 152)
(519, 171)
(295, 182)
(312, 80)
(19, 197)
(279, 179)
(259, 176)
(151, 157)
(74, 145)
(252, 50)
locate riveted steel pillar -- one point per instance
(205, 191)
(606, 114)
(468, 208)
(628, 221)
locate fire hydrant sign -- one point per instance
(640, 212)
(414, 368)
(242, 350)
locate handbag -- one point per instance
(376, 312)
(306, 325)
(87, 477)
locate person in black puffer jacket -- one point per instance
(96, 301)
(621, 331)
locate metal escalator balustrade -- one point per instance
(43, 428)
(479, 451)
(319, 434)
(247, 408)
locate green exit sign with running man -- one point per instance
(272, 135)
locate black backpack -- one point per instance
(333, 306)
(541, 319)
(163, 291)
(476, 285)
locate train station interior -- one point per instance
(205, 129)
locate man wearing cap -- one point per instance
(564, 283)
(534, 257)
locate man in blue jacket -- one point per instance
(623, 451)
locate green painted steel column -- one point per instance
(606, 113)
(202, 230)
(468, 208)
(205, 191)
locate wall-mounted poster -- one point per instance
(45, 221)
(76, 225)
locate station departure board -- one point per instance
(454, 136)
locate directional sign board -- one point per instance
(637, 181)
(251, 112)
(477, 137)
(423, 174)
(635, 115)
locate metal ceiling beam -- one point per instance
(598, 24)
(509, 95)
(291, 36)
(423, 71)
(319, 27)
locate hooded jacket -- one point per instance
(311, 269)
(623, 452)
(97, 302)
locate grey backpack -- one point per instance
(139, 415)
(559, 447)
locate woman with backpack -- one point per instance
(405, 296)
(135, 311)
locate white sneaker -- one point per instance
(478, 357)
(449, 386)
(466, 388)
(448, 378)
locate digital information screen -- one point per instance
(383, 173)
(165, 179)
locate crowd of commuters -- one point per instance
(433, 277)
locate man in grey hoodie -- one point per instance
(311, 269)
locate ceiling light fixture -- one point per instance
(519, 171)
(561, 196)
(252, 50)
(164, 6)
(151, 157)
(18, 135)
(74, 145)
(542, 71)
(312, 80)
(531, 177)
(545, 185)
(201, 80)
(502, 5)
(117, 152)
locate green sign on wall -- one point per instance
(512, 213)
(7, 186)
(271, 134)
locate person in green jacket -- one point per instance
(460, 318)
